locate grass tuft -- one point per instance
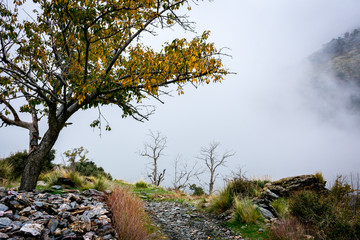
(222, 202)
(100, 184)
(245, 211)
(6, 169)
(320, 177)
(128, 214)
(282, 207)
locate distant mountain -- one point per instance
(339, 60)
(340, 57)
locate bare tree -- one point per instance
(154, 150)
(183, 173)
(213, 161)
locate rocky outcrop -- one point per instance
(284, 188)
(72, 215)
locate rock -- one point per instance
(64, 207)
(41, 183)
(16, 225)
(52, 225)
(58, 232)
(181, 221)
(92, 192)
(45, 234)
(56, 187)
(225, 216)
(3, 236)
(32, 228)
(5, 222)
(266, 213)
(269, 195)
(286, 186)
(89, 236)
(81, 226)
(35, 215)
(3, 208)
(26, 211)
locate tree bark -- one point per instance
(33, 162)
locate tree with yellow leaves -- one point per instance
(81, 54)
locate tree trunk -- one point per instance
(33, 162)
(211, 188)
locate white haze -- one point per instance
(270, 113)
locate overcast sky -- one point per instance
(268, 113)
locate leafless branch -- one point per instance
(212, 161)
(153, 150)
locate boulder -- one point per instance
(285, 186)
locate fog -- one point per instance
(277, 120)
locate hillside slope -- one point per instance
(339, 60)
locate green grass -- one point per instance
(249, 231)
(281, 206)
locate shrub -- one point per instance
(197, 191)
(245, 211)
(327, 215)
(6, 169)
(128, 214)
(310, 207)
(240, 187)
(100, 184)
(77, 179)
(282, 207)
(320, 177)
(260, 183)
(51, 177)
(89, 168)
(341, 190)
(141, 184)
(222, 202)
(17, 161)
(289, 229)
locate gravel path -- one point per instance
(183, 222)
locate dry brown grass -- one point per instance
(129, 216)
(288, 229)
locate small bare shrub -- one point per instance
(289, 229)
(128, 215)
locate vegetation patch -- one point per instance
(245, 211)
(129, 217)
(249, 231)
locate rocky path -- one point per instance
(45, 216)
(185, 222)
